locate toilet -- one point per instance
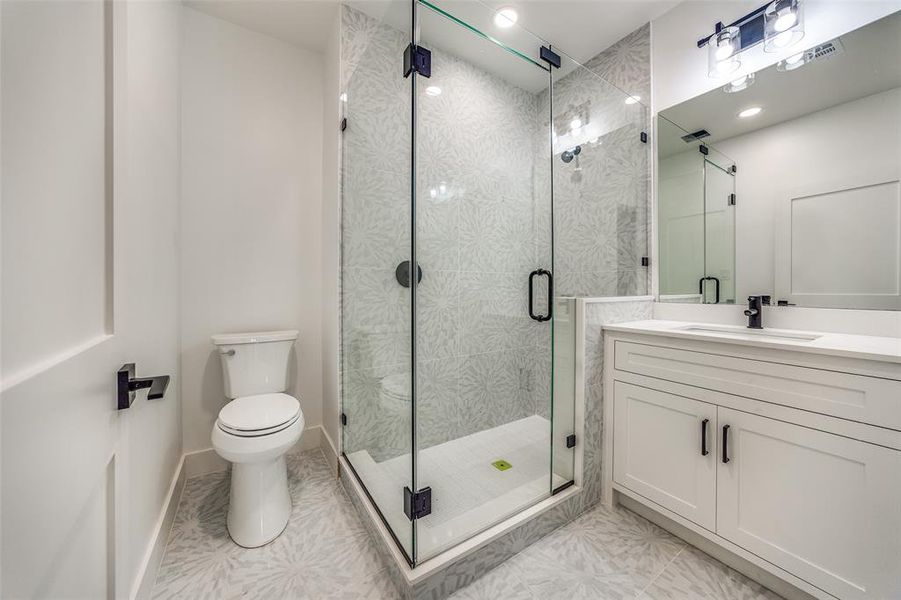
(255, 430)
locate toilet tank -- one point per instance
(255, 362)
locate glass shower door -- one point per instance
(483, 239)
(376, 306)
(719, 229)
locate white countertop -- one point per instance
(886, 349)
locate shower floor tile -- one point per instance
(469, 494)
(326, 552)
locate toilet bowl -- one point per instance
(255, 430)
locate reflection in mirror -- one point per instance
(788, 182)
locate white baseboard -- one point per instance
(150, 565)
(329, 450)
(206, 461)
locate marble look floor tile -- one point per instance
(694, 575)
(324, 552)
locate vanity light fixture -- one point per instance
(750, 112)
(633, 99)
(784, 25)
(778, 24)
(742, 83)
(505, 17)
(433, 90)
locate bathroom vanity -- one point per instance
(781, 447)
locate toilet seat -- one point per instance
(259, 415)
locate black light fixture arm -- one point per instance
(750, 24)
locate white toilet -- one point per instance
(255, 430)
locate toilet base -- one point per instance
(259, 502)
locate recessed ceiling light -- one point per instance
(505, 17)
(632, 99)
(742, 83)
(433, 90)
(750, 112)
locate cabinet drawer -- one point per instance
(854, 397)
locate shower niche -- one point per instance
(490, 164)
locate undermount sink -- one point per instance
(745, 333)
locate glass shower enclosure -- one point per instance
(458, 391)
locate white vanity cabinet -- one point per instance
(728, 441)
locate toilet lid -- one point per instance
(259, 412)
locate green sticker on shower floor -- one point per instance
(501, 465)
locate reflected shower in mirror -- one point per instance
(786, 182)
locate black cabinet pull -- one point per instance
(725, 443)
(550, 295)
(704, 451)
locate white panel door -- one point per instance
(89, 211)
(660, 450)
(823, 507)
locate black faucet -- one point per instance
(754, 312)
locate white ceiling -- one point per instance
(869, 64)
(580, 28)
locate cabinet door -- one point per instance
(657, 450)
(823, 507)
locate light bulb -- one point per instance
(505, 17)
(750, 112)
(785, 20)
(724, 51)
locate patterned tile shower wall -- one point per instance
(478, 361)
(601, 197)
(482, 224)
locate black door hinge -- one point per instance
(571, 440)
(417, 505)
(343, 420)
(549, 56)
(704, 149)
(731, 199)
(643, 137)
(645, 261)
(343, 124)
(417, 60)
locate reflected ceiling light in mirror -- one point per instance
(783, 25)
(633, 99)
(433, 90)
(742, 83)
(792, 62)
(505, 17)
(575, 124)
(722, 51)
(750, 112)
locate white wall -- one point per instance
(331, 227)
(679, 67)
(251, 218)
(835, 145)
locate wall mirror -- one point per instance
(786, 182)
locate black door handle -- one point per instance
(550, 295)
(127, 384)
(725, 444)
(704, 451)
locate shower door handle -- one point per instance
(550, 295)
